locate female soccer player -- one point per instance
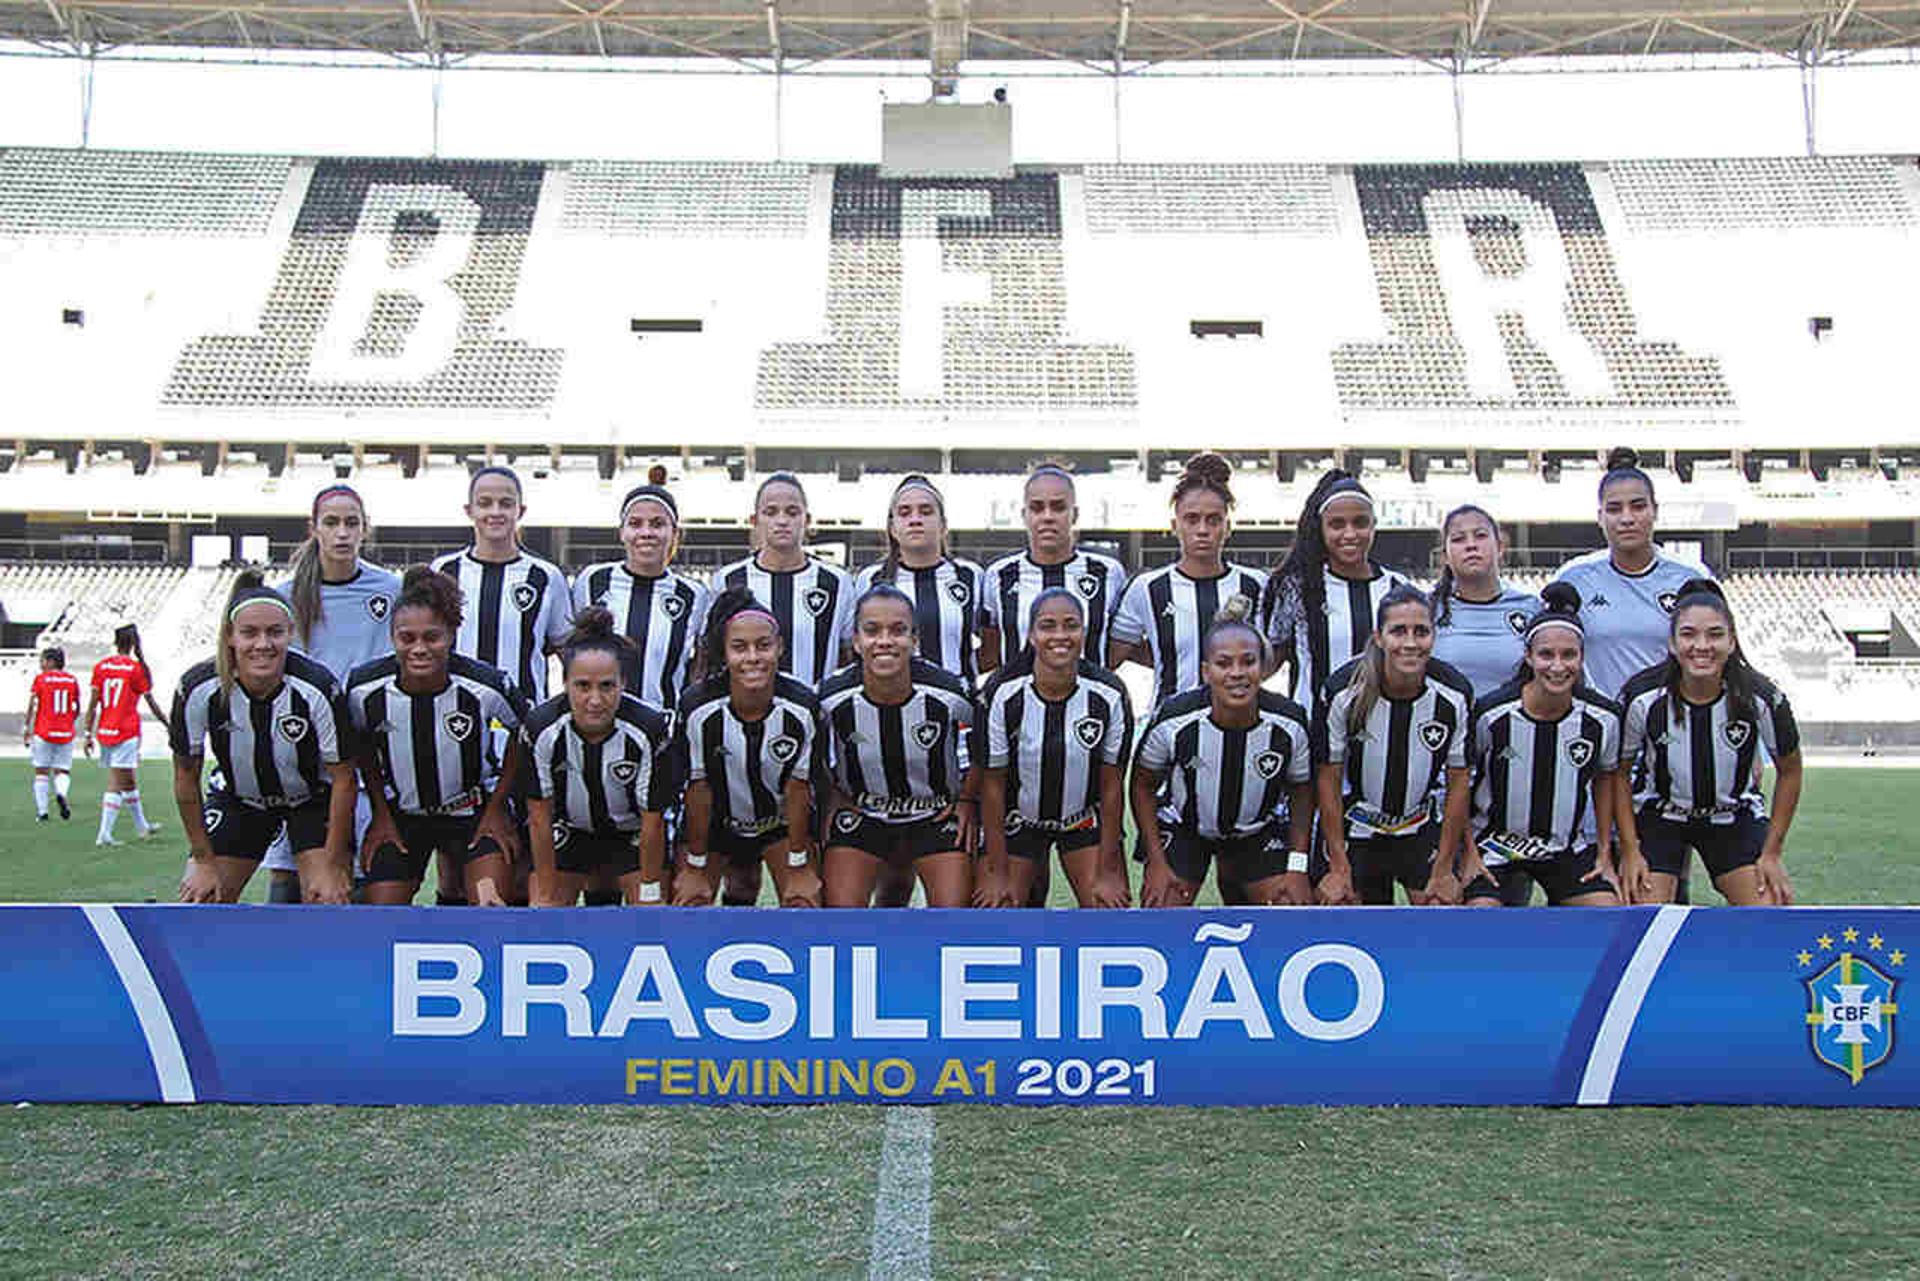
(1165, 613)
(120, 681)
(662, 612)
(1053, 560)
(896, 728)
(602, 774)
(269, 714)
(1236, 762)
(750, 735)
(433, 774)
(1628, 587)
(1396, 724)
(949, 603)
(1546, 753)
(519, 609)
(810, 600)
(1321, 603)
(1478, 618)
(1055, 727)
(341, 605)
(1693, 724)
(53, 705)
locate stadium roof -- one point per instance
(1106, 35)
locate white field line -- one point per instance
(902, 1247)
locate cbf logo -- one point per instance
(1850, 1002)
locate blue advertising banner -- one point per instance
(1233, 1007)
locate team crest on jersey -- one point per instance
(1090, 730)
(927, 733)
(292, 728)
(624, 772)
(959, 591)
(784, 748)
(1517, 621)
(561, 835)
(1435, 735)
(1666, 600)
(525, 597)
(673, 606)
(816, 599)
(378, 608)
(458, 724)
(1087, 585)
(846, 821)
(1268, 764)
(1579, 752)
(1737, 733)
(1850, 1000)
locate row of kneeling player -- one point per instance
(892, 762)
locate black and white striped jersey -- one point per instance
(1402, 751)
(948, 610)
(434, 752)
(1326, 638)
(1696, 762)
(813, 605)
(1014, 581)
(515, 611)
(747, 764)
(1533, 780)
(1051, 750)
(601, 787)
(898, 762)
(272, 753)
(1172, 612)
(1220, 783)
(663, 615)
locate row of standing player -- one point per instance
(1159, 618)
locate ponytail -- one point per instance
(595, 632)
(728, 605)
(303, 590)
(1299, 586)
(1443, 585)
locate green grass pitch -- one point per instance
(327, 1192)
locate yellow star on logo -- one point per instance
(1825, 941)
(1850, 934)
(1806, 958)
(1874, 941)
(1897, 957)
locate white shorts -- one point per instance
(52, 755)
(121, 755)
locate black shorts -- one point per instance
(1379, 861)
(238, 830)
(421, 837)
(1723, 847)
(1559, 878)
(897, 844)
(1034, 843)
(1242, 859)
(739, 849)
(584, 852)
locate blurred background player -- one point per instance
(601, 773)
(1055, 728)
(120, 681)
(268, 713)
(53, 707)
(1223, 778)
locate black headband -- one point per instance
(653, 494)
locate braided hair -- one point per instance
(1299, 586)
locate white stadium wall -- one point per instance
(1529, 307)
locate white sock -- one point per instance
(40, 795)
(132, 801)
(60, 784)
(109, 810)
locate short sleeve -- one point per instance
(1299, 754)
(702, 603)
(1457, 748)
(1633, 731)
(1609, 743)
(142, 681)
(663, 779)
(1113, 748)
(1331, 738)
(326, 726)
(560, 610)
(696, 764)
(1283, 615)
(510, 706)
(1783, 736)
(995, 747)
(1156, 747)
(537, 781)
(856, 587)
(1130, 621)
(578, 597)
(186, 730)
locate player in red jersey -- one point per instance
(52, 709)
(120, 681)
